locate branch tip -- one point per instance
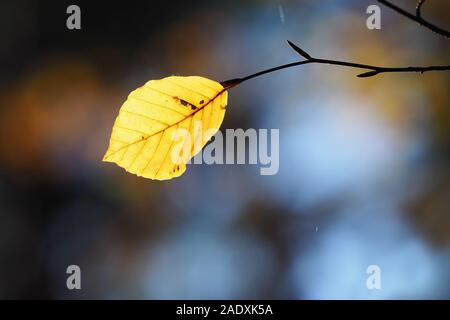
(368, 74)
(299, 51)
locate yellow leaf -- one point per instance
(145, 138)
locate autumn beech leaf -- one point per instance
(164, 123)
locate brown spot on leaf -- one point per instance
(185, 103)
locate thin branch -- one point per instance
(418, 18)
(419, 8)
(372, 70)
(234, 82)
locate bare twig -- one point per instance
(375, 70)
(418, 17)
(372, 70)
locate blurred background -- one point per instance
(364, 163)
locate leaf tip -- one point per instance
(105, 157)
